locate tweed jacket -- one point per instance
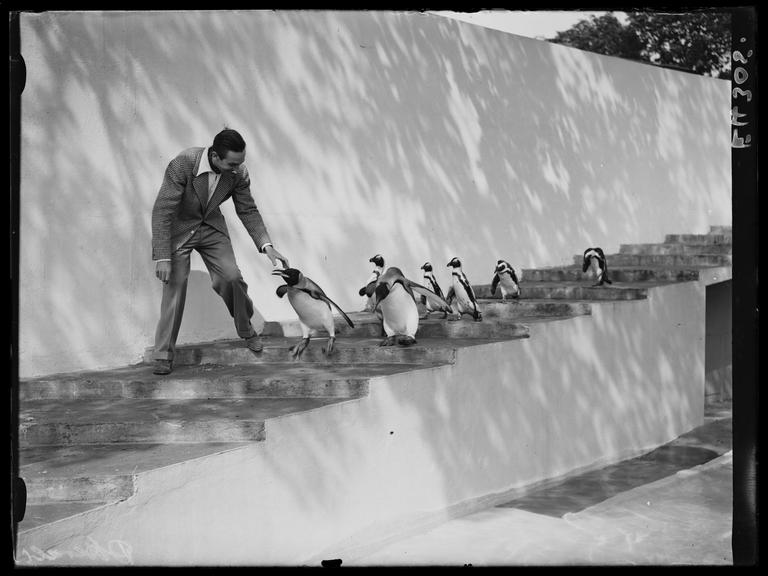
(179, 209)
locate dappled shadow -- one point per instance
(595, 388)
(407, 134)
(584, 490)
(410, 135)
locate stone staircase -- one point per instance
(85, 438)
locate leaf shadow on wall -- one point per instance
(406, 134)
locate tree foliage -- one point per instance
(699, 42)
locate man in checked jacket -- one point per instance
(186, 217)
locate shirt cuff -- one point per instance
(264, 246)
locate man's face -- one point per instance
(231, 163)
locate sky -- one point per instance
(530, 23)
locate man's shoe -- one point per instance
(254, 344)
(163, 367)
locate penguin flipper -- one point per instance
(468, 288)
(451, 295)
(344, 314)
(362, 291)
(495, 283)
(425, 292)
(436, 288)
(370, 289)
(281, 290)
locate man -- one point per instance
(186, 217)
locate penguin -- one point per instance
(397, 302)
(461, 291)
(595, 258)
(378, 262)
(312, 306)
(431, 282)
(504, 277)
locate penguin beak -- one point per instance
(280, 273)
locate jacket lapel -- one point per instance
(200, 184)
(223, 186)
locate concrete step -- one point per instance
(699, 238)
(369, 326)
(573, 291)
(85, 436)
(214, 381)
(37, 515)
(527, 310)
(656, 260)
(617, 274)
(99, 473)
(356, 351)
(675, 248)
(106, 420)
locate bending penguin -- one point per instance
(504, 277)
(312, 306)
(461, 291)
(378, 262)
(431, 283)
(395, 298)
(595, 259)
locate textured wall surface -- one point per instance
(406, 134)
(423, 445)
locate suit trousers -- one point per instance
(216, 251)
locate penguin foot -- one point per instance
(390, 341)
(329, 347)
(298, 349)
(406, 340)
(478, 317)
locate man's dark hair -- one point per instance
(227, 140)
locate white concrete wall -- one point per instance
(423, 445)
(412, 135)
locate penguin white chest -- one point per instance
(431, 284)
(595, 266)
(508, 285)
(399, 313)
(312, 312)
(462, 298)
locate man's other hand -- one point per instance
(163, 271)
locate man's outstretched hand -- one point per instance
(274, 256)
